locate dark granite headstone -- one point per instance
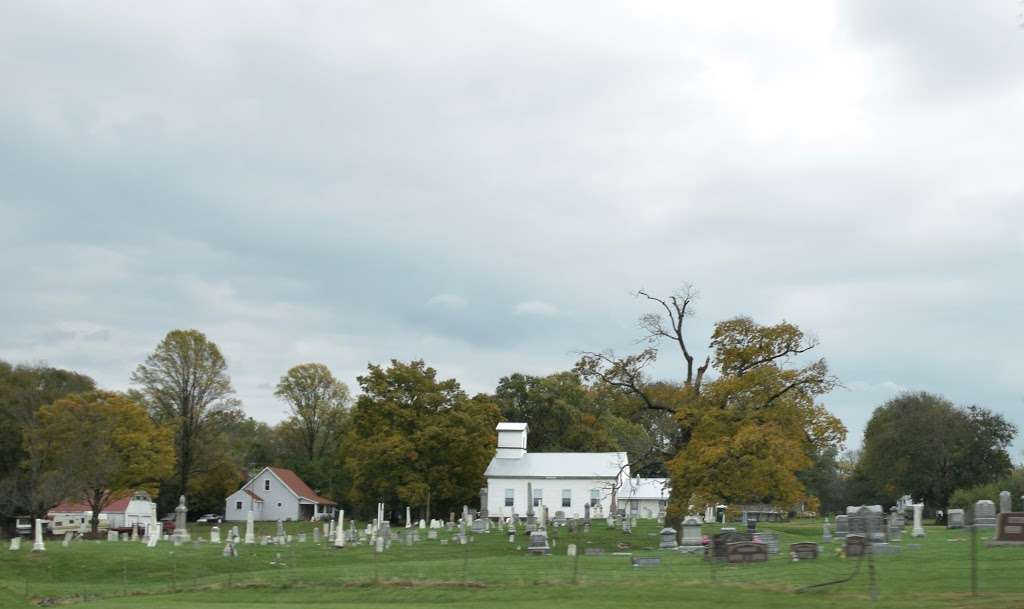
(1010, 526)
(746, 551)
(645, 561)
(593, 551)
(719, 543)
(805, 550)
(856, 546)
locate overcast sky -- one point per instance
(484, 184)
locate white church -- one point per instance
(563, 482)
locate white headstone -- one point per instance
(1005, 503)
(918, 529)
(339, 531)
(39, 546)
(15, 544)
(250, 534)
(215, 535)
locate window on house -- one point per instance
(266, 485)
(510, 497)
(238, 505)
(567, 498)
(538, 497)
(595, 497)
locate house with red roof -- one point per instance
(125, 511)
(276, 493)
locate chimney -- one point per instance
(511, 440)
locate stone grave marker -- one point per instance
(884, 548)
(692, 541)
(668, 539)
(215, 534)
(645, 561)
(842, 525)
(720, 542)
(230, 551)
(985, 514)
(769, 539)
(539, 542)
(955, 519)
(1009, 529)
(593, 551)
(15, 544)
(856, 546)
(804, 550)
(571, 550)
(1005, 502)
(742, 552)
(316, 534)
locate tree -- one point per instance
(186, 386)
(317, 402)
(561, 411)
(106, 443)
(25, 486)
(744, 436)
(921, 444)
(415, 440)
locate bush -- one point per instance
(965, 498)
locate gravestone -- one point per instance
(379, 544)
(742, 552)
(111, 535)
(645, 561)
(1009, 529)
(230, 551)
(250, 528)
(769, 539)
(1005, 503)
(180, 514)
(985, 514)
(539, 542)
(593, 552)
(668, 539)
(826, 534)
(479, 525)
(718, 549)
(316, 534)
(842, 526)
(918, 530)
(280, 531)
(432, 534)
(866, 520)
(215, 535)
(586, 517)
(804, 550)
(301, 538)
(15, 544)
(571, 550)
(692, 540)
(955, 519)
(559, 518)
(67, 539)
(856, 546)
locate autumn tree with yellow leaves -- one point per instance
(749, 417)
(105, 444)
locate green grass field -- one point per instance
(490, 572)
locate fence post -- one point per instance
(974, 559)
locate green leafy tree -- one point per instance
(26, 487)
(416, 440)
(106, 444)
(561, 411)
(186, 386)
(922, 444)
(311, 435)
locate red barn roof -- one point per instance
(118, 506)
(300, 488)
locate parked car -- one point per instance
(210, 518)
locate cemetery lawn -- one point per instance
(492, 572)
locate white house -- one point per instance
(563, 482)
(644, 497)
(125, 511)
(277, 493)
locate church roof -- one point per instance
(560, 465)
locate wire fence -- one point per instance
(951, 562)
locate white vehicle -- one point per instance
(210, 518)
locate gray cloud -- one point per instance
(484, 185)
